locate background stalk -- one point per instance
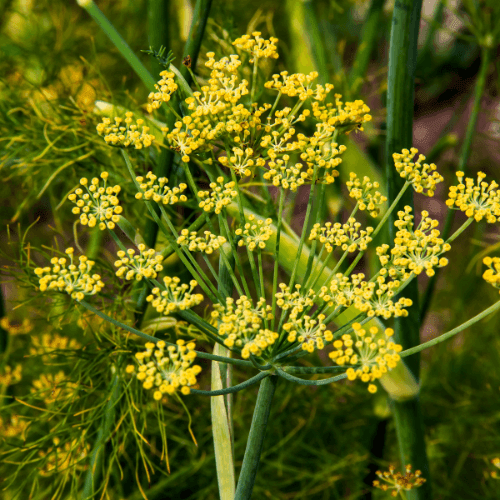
(400, 98)
(256, 438)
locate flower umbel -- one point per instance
(220, 196)
(175, 296)
(72, 279)
(362, 192)
(423, 177)
(373, 354)
(156, 189)
(125, 134)
(167, 369)
(492, 275)
(479, 200)
(398, 482)
(255, 233)
(147, 264)
(98, 205)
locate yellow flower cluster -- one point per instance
(322, 155)
(296, 301)
(372, 354)
(414, 250)
(146, 264)
(165, 87)
(16, 427)
(11, 376)
(492, 275)
(124, 134)
(310, 333)
(160, 191)
(398, 482)
(25, 326)
(98, 205)
(255, 234)
(348, 116)
(496, 462)
(284, 174)
(362, 192)
(220, 196)
(261, 341)
(349, 237)
(299, 85)
(175, 297)
(423, 177)
(72, 279)
(167, 370)
(372, 298)
(48, 343)
(479, 200)
(239, 322)
(207, 243)
(63, 458)
(53, 387)
(257, 46)
(242, 161)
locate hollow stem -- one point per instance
(256, 439)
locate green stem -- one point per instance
(119, 43)
(234, 388)
(400, 98)
(97, 455)
(445, 336)
(158, 30)
(276, 256)
(256, 438)
(301, 381)
(311, 369)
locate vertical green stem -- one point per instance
(400, 98)
(158, 31)
(256, 439)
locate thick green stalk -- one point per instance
(462, 162)
(400, 97)
(256, 439)
(92, 477)
(158, 31)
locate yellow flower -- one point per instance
(414, 250)
(11, 376)
(398, 482)
(242, 161)
(423, 177)
(167, 369)
(349, 237)
(299, 85)
(492, 275)
(284, 174)
(53, 387)
(207, 243)
(156, 189)
(310, 333)
(175, 296)
(147, 264)
(257, 46)
(480, 200)
(72, 279)
(220, 196)
(296, 301)
(125, 134)
(363, 193)
(369, 354)
(165, 87)
(99, 205)
(348, 116)
(240, 324)
(255, 234)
